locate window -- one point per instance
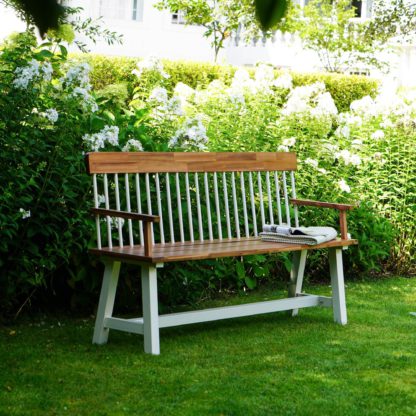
(178, 18)
(122, 9)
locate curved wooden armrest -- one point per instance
(342, 208)
(147, 220)
(125, 214)
(309, 202)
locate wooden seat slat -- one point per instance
(165, 253)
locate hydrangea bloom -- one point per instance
(151, 63)
(133, 145)
(344, 186)
(377, 135)
(192, 135)
(97, 141)
(348, 157)
(285, 81)
(78, 75)
(51, 114)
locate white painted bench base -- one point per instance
(151, 321)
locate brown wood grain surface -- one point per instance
(164, 253)
(160, 162)
(308, 202)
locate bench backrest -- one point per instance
(198, 196)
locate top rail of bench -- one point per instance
(160, 162)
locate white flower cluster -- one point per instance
(285, 81)
(311, 99)
(133, 145)
(314, 163)
(264, 80)
(78, 75)
(77, 78)
(191, 136)
(165, 108)
(286, 144)
(51, 114)
(34, 70)
(344, 186)
(348, 158)
(97, 141)
(151, 63)
(25, 214)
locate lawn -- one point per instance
(264, 365)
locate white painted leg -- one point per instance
(296, 275)
(150, 310)
(337, 282)
(106, 303)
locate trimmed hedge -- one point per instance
(114, 70)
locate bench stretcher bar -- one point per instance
(135, 325)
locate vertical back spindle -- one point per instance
(286, 199)
(277, 186)
(253, 205)
(128, 205)
(172, 234)
(188, 202)
(269, 198)
(210, 235)
(227, 208)
(96, 205)
(107, 206)
(159, 210)
(118, 208)
(234, 194)
(217, 206)
(149, 203)
(179, 199)
(139, 206)
(243, 195)
(295, 209)
(198, 208)
(263, 221)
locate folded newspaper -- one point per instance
(297, 235)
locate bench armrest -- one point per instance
(309, 202)
(342, 208)
(125, 214)
(147, 220)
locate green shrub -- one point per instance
(113, 70)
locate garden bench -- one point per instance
(165, 207)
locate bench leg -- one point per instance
(296, 275)
(337, 283)
(106, 303)
(150, 310)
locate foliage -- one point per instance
(50, 115)
(343, 42)
(46, 107)
(115, 70)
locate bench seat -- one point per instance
(198, 250)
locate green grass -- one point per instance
(264, 365)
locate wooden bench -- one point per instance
(164, 207)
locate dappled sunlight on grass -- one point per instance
(261, 365)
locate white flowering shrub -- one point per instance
(46, 107)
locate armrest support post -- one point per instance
(343, 224)
(342, 209)
(147, 237)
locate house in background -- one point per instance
(147, 31)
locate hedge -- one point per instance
(114, 70)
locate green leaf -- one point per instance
(270, 12)
(239, 268)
